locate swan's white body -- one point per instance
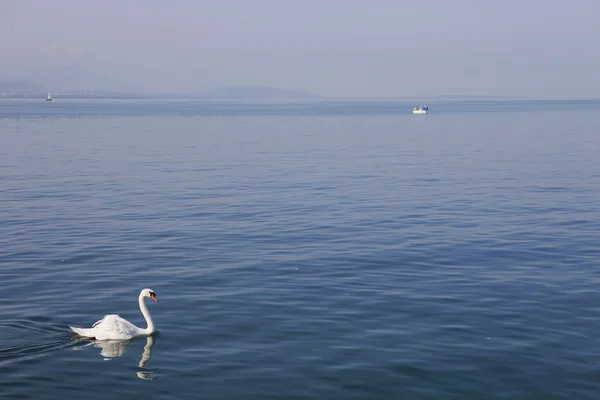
(113, 327)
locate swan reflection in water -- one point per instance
(116, 348)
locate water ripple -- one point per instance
(361, 253)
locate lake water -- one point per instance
(327, 250)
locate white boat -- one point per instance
(49, 98)
(420, 109)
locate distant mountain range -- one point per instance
(73, 79)
(77, 81)
(252, 92)
(21, 87)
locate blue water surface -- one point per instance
(330, 250)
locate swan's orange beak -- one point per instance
(153, 297)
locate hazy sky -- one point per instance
(537, 48)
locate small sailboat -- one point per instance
(49, 98)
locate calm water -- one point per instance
(310, 250)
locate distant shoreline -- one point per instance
(178, 97)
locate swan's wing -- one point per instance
(109, 319)
(114, 327)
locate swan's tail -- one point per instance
(82, 331)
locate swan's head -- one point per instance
(149, 293)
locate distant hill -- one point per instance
(21, 87)
(74, 79)
(253, 92)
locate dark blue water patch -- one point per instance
(27, 339)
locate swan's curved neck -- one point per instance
(146, 314)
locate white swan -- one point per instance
(113, 327)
